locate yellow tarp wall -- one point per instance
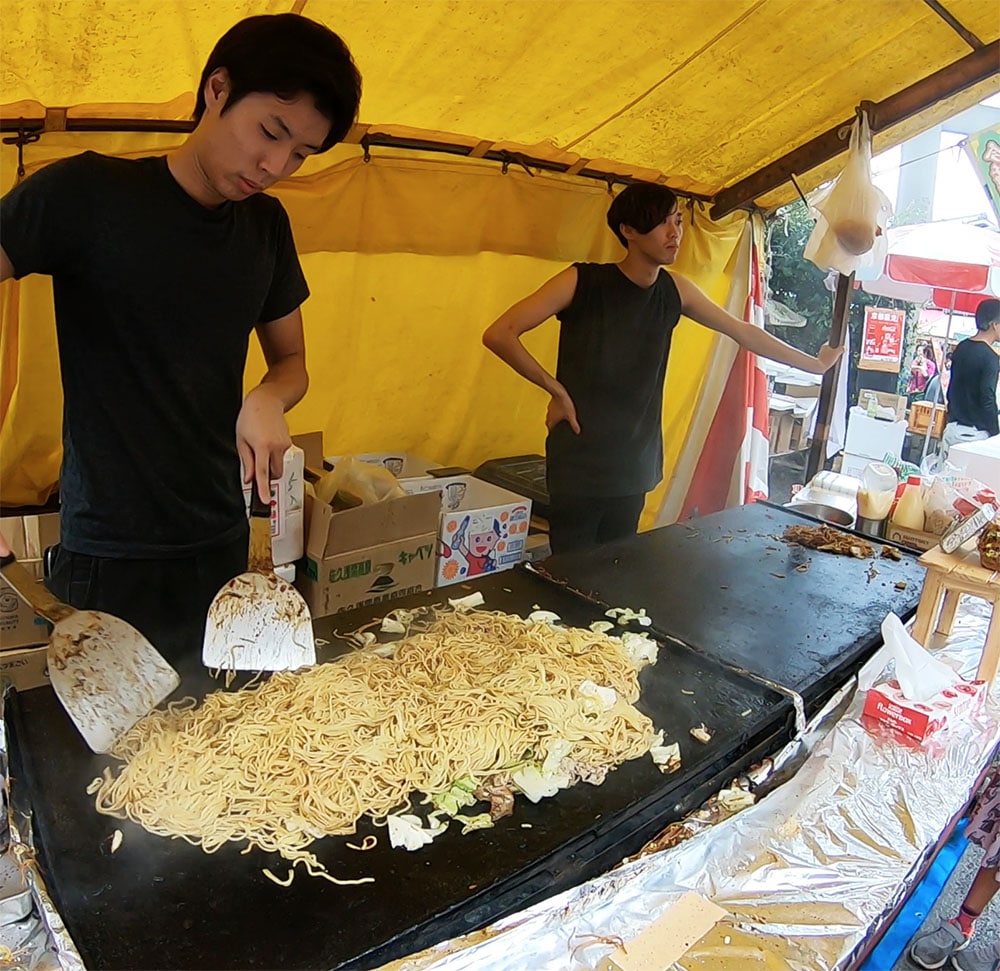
(408, 260)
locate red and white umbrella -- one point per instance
(950, 265)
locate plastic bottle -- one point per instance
(909, 512)
(872, 410)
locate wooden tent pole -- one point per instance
(828, 389)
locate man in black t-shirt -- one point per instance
(972, 390)
(162, 268)
(604, 450)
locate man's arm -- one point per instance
(503, 338)
(261, 431)
(698, 307)
(6, 267)
(988, 394)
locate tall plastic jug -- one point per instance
(909, 513)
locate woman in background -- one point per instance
(923, 368)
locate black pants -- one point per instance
(580, 523)
(166, 599)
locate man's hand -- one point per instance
(561, 408)
(262, 438)
(828, 356)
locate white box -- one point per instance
(873, 437)
(483, 527)
(402, 465)
(287, 502)
(980, 460)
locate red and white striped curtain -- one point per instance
(725, 458)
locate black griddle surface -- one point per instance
(161, 903)
(727, 586)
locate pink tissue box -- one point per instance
(886, 705)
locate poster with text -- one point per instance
(882, 345)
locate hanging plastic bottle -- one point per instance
(909, 511)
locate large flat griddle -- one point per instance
(728, 586)
(160, 903)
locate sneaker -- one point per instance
(977, 959)
(933, 948)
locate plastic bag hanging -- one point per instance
(852, 213)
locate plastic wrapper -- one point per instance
(851, 214)
(353, 483)
(32, 934)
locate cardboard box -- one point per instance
(311, 444)
(287, 508)
(25, 668)
(886, 399)
(668, 938)
(29, 536)
(19, 626)
(369, 554)
(483, 528)
(915, 539)
(402, 465)
(980, 460)
(873, 437)
(886, 705)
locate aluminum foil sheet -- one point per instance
(805, 875)
(32, 934)
(842, 826)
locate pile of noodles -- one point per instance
(306, 754)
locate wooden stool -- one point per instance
(949, 575)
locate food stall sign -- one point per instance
(882, 346)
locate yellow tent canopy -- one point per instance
(490, 131)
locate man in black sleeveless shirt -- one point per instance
(605, 444)
(161, 268)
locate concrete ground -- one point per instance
(987, 927)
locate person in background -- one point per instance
(604, 450)
(949, 939)
(946, 376)
(922, 370)
(972, 388)
(162, 267)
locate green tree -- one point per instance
(802, 286)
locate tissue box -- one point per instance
(886, 705)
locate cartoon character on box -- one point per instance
(476, 538)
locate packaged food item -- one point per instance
(968, 527)
(989, 546)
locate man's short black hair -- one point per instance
(643, 206)
(287, 55)
(987, 314)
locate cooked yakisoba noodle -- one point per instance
(307, 754)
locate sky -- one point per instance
(958, 193)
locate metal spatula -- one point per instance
(257, 621)
(105, 673)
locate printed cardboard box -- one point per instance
(915, 539)
(29, 536)
(25, 667)
(19, 627)
(483, 528)
(886, 705)
(369, 554)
